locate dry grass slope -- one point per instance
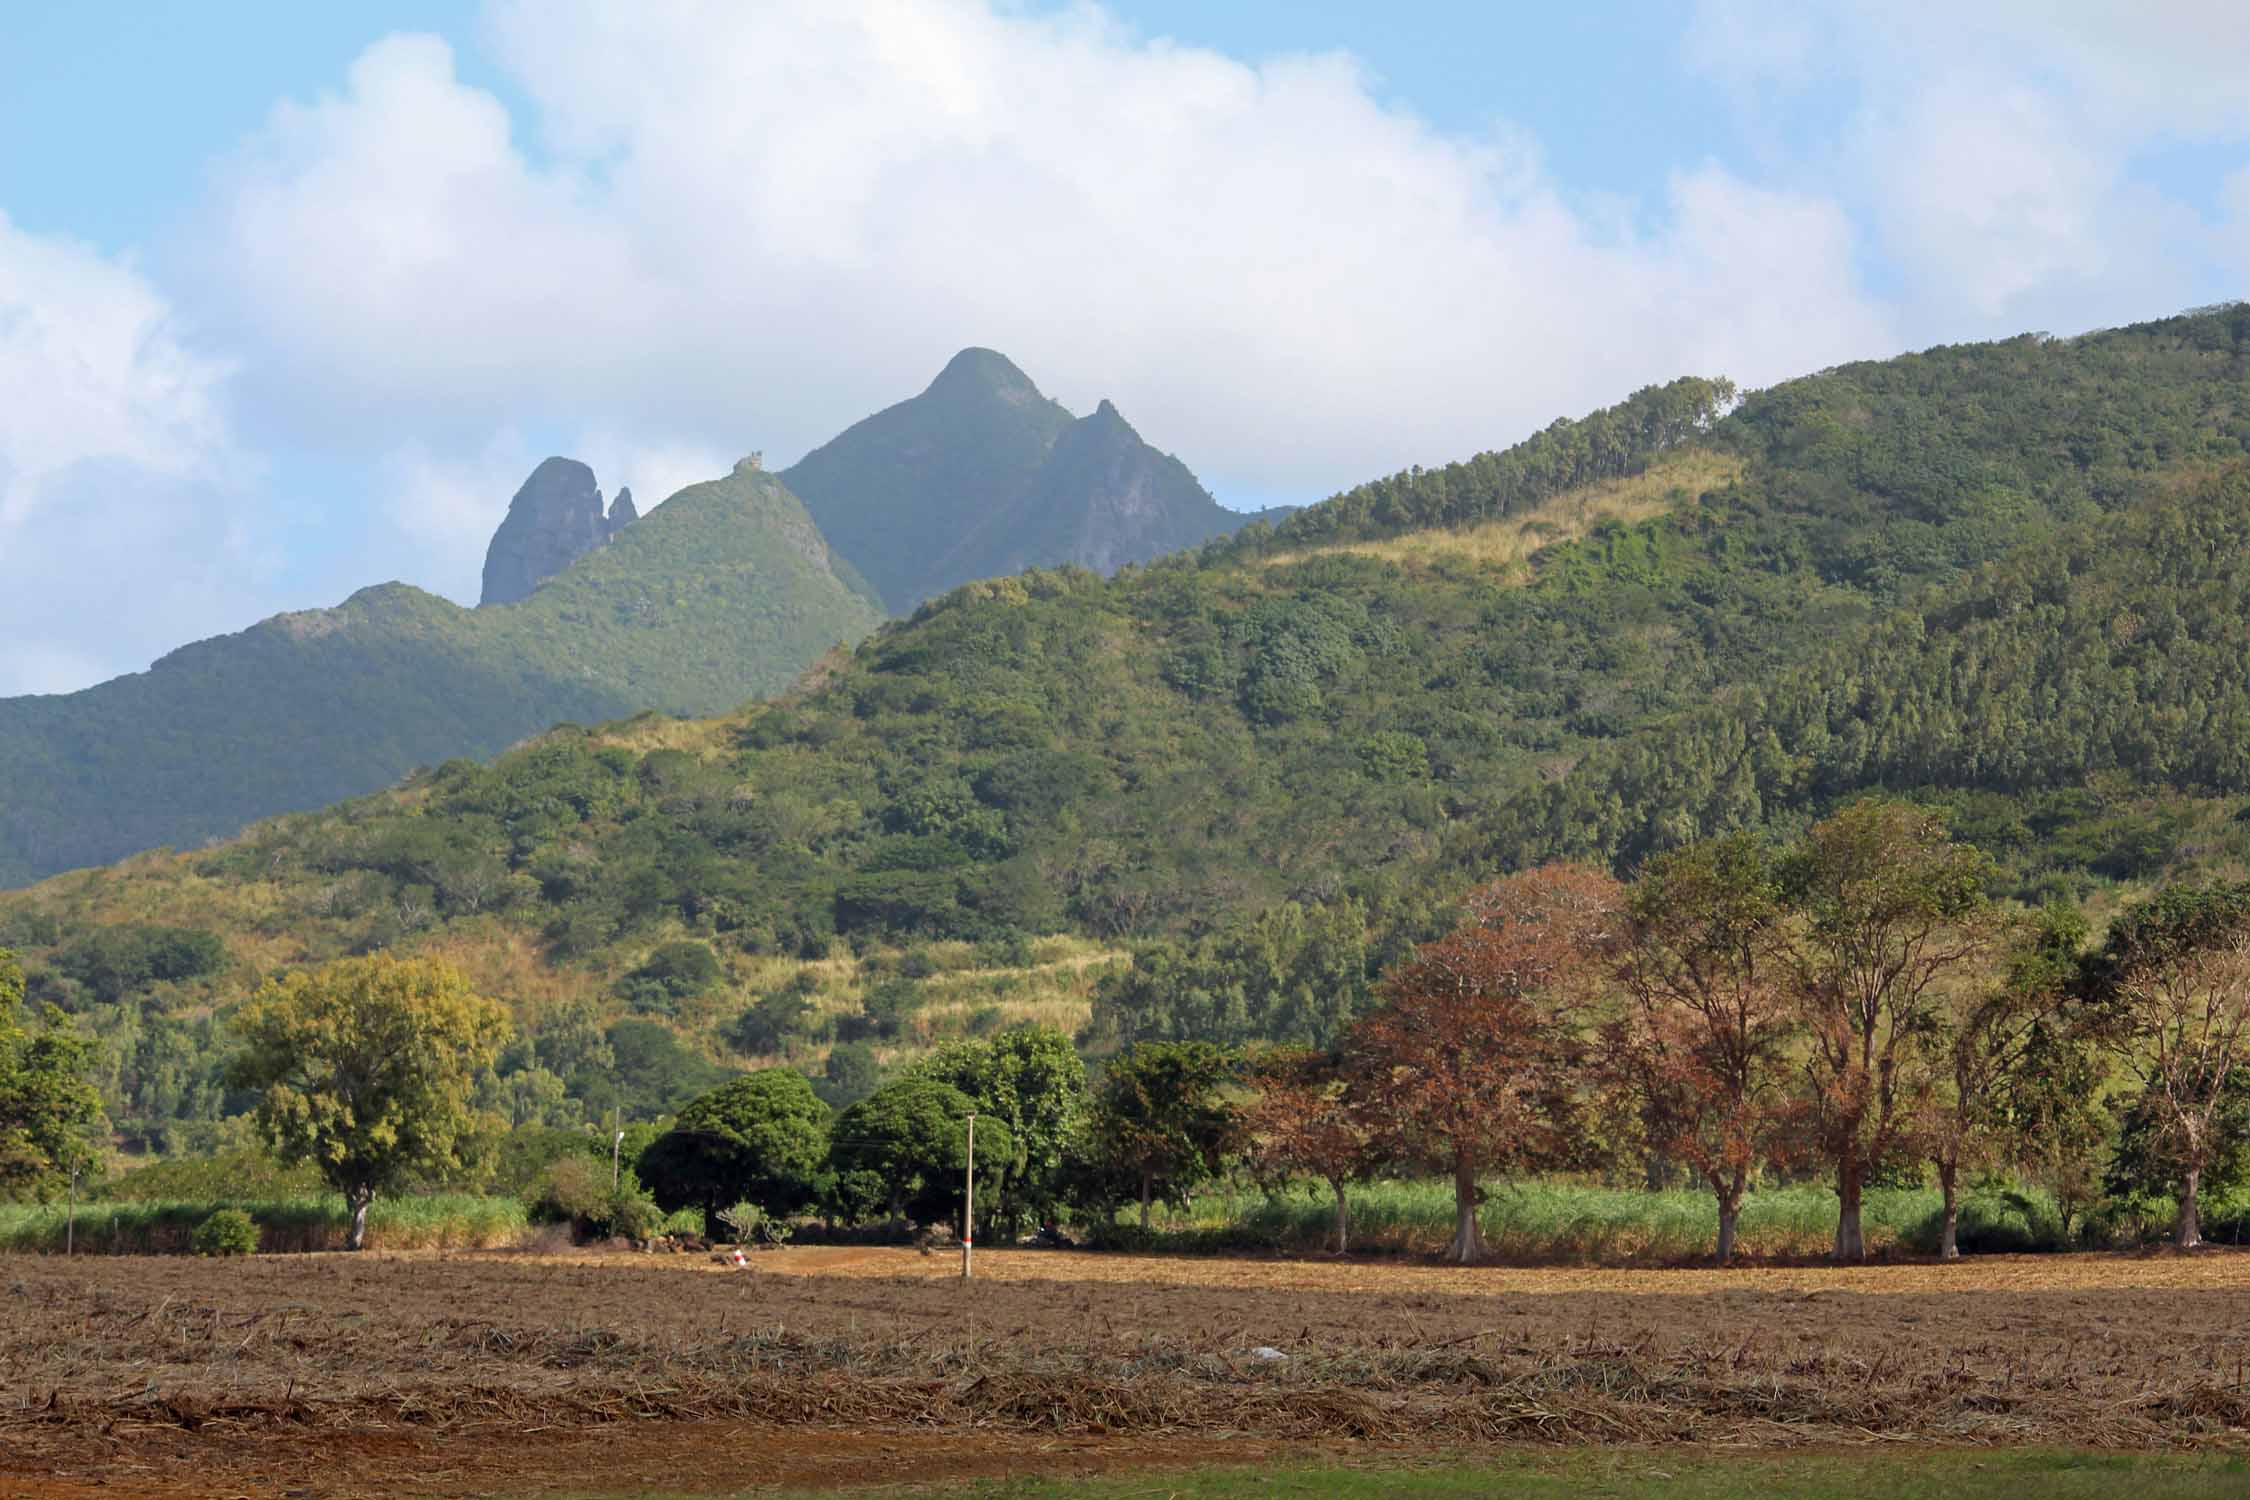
(1506, 546)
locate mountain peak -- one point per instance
(984, 370)
(1107, 419)
(555, 519)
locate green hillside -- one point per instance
(1212, 795)
(723, 593)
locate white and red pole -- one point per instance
(969, 1208)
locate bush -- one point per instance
(230, 1231)
(1997, 1221)
(633, 1215)
(1129, 1239)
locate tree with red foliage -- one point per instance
(1470, 1061)
(1699, 1044)
(1308, 1120)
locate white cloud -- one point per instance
(750, 225)
(1996, 150)
(93, 371)
(120, 525)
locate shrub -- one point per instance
(633, 1215)
(229, 1231)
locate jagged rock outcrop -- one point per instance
(1102, 499)
(982, 475)
(555, 519)
(621, 511)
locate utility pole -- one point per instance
(70, 1225)
(616, 1144)
(969, 1200)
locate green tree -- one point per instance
(1031, 1079)
(50, 1115)
(2173, 981)
(1161, 1114)
(1893, 912)
(762, 1137)
(913, 1135)
(674, 972)
(1700, 1040)
(366, 1067)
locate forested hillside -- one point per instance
(1215, 795)
(723, 593)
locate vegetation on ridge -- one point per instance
(1261, 771)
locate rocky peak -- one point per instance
(621, 511)
(555, 519)
(984, 372)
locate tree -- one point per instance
(365, 1067)
(1161, 1116)
(2173, 981)
(1307, 1120)
(1988, 1041)
(1471, 1056)
(50, 1114)
(1700, 1045)
(913, 1135)
(1892, 909)
(1031, 1079)
(761, 1137)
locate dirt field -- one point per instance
(500, 1373)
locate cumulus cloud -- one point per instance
(706, 227)
(119, 477)
(741, 227)
(94, 371)
(1999, 151)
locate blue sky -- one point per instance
(292, 296)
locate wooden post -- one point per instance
(969, 1202)
(70, 1224)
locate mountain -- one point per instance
(981, 475)
(1230, 786)
(724, 592)
(555, 519)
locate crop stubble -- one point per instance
(128, 1368)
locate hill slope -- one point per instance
(723, 593)
(981, 475)
(2004, 577)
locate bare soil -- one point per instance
(477, 1373)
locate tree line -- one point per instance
(1853, 1003)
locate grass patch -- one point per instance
(435, 1221)
(1537, 1221)
(1506, 545)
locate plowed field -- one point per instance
(500, 1373)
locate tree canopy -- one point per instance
(365, 1067)
(760, 1138)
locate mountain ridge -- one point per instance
(981, 474)
(722, 593)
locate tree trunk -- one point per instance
(1468, 1239)
(1850, 1243)
(1948, 1176)
(1343, 1216)
(2188, 1232)
(357, 1200)
(1148, 1186)
(1730, 1213)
